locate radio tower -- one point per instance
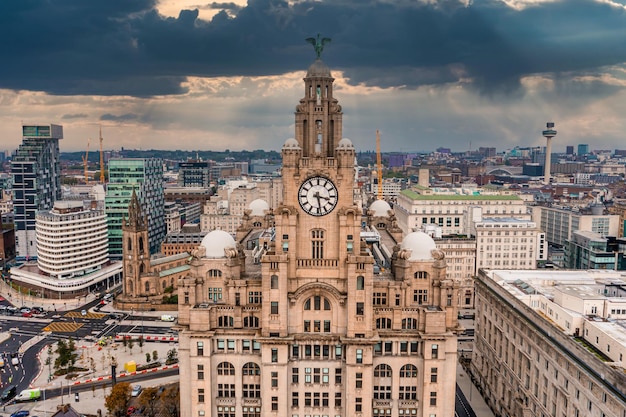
(549, 133)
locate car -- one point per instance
(83, 312)
(131, 410)
(167, 317)
(24, 310)
(8, 393)
(27, 314)
(136, 391)
(38, 310)
(12, 309)
(21, 413)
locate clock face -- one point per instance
(317, 196)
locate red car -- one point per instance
(131, 410)
(27, 314)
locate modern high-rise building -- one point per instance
(195, 173)
(583, 149)
(36, 182)
(145, 176)
(294, 319)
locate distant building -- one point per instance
(36, 177)
(551, 343)
(559, 224)
(145, 177)
(583, 149)
(72, 248)
(569, 150)
(195, 174)
(590, 250)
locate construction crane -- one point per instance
(379, 167)
(86, 162)
(101, 159)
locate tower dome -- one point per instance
(380, 208)
(345, 143)
(258, 207)
(318, 69)
(291, 143)
(216, 242)
(420, 245)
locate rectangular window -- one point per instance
(200, 348)
(359, 356)
(294, 375)
(200, 371)
(359, 309)
(274, 379)
(294, 399)
(433, 374)
(274, 307)
(201, 395)
(337, 375)
(434, 351)
(274, 355)
(274, 282)
(358, 380)
(274, 403)
(433, 398)
(358, 406)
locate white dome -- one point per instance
(420, 245)
(345, 143)
(291, 143)
(258, 207)
(215, 242)
(380, 208)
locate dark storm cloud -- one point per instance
(121, 118)
(125, 47)
(74, 116)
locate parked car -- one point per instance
(8, 393)
(21, 413)
(24, 310)
(27, 314)
(136, 391)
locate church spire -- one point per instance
(136, 219)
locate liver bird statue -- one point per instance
(318, 44)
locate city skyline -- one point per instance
(179, 75)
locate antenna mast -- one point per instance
(379, 167)
(101, 159)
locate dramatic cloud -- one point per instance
(426, 72)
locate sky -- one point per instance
(182, 74)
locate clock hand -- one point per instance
(319, 203)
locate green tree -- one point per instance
(155, 355)
(172, 356)
(148, 357)
(117, 400)
(66, 355)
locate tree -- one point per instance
(155, 355)
(148, 401)
(170, 401)
(148, 357)
(117, 400)
(131, 344)
(141, 344)
(67, 356)
(172, 357)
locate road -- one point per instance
(462, 407)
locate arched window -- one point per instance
(225, 321)
(382, 371)
(360, 282)
(251, 321)
(163, 284)
(421, 275)
(408, 371)
(225, 368)
(251, 368)
(256, 224)
(408, 383)
(383, 323)
(141, 268)
(141, 250)
(129, 244)
(147, 286)
(317, 302)
(382, 382)
(214, 273)
(409, 324)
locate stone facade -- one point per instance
(300, 324)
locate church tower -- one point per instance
(135, 247)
